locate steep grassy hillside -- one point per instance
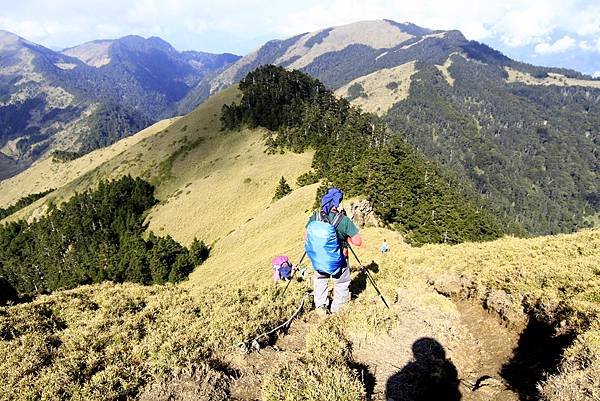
(181, 342)
(47, 174)
(173, 154)
(115, 341)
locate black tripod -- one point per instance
(365, 271)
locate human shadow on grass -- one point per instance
(430, 376)
(359, 282)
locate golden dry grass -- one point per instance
(46, 174)
(278, 229)
(445, 69)
(225, 182)
(552, 79)
(377, 34)
(379, 98)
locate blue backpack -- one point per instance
(322, 245)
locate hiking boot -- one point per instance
(322, 311)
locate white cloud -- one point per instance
(560, 46)
(596, 74)
(586, 21)
(523, 23)
(590, 47)
(196, 23)
(514, 23)
(584, 45)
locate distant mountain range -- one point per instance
(526, 137)
(90, 95)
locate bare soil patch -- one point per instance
(252, 367)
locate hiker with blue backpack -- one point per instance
(328, 234)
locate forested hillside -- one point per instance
(532, 150)
(525, 137)
(95, 236)
(358, 154)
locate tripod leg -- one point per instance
(369, 277)
(377, 289)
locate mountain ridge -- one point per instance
(459, 111)
(53, 101)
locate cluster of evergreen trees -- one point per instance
(532, 151)
(283, 188)
(21, 203)
(356, 153)
(95, 236)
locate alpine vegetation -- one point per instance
(283, 188)
(21, 203)
(355, 152)
(95, 236)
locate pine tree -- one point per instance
(199, 251)
(282, 189)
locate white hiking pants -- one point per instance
(341, 292)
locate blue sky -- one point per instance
(549, 32)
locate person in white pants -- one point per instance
(347, 233)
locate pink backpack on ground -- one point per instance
(282, 268)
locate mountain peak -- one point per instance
(410, 28)
(95, 53)
(10, 41)
(141, 44)
(377, 34)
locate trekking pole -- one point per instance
(290, 280)
(366, 271)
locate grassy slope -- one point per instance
(46, 174)
(555, 278)
(105, 341)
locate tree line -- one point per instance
(95, 236)
(21, 203)
(356, 152)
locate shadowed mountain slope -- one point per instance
(88, 96)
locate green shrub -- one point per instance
(355, 91)
(308, 178)
(61, 156)
(282, 189)
(199, 251)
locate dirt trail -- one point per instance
(252, 367)
(455, 346)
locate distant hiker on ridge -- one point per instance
(384, 247)
(328, 233)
